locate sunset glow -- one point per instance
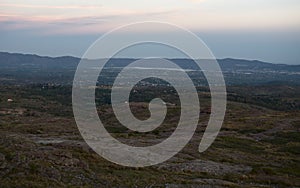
(256, 20)
(95, 16)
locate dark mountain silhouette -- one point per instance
(29, 68)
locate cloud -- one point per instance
(65, 24)
(196, 1)
(51, 6)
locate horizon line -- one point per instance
(171, 58)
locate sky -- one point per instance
(267, 30)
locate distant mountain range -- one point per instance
(25, 68)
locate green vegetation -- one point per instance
(40, 144)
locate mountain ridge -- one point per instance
(29, 68)
(228, 59)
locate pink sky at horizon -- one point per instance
(266, 30)
(78, 16)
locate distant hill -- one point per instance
(254, 65)
(18, 61)
(26, 68)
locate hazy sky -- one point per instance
(267, 30)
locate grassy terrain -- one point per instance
(40, 144)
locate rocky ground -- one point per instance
(39, 147)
